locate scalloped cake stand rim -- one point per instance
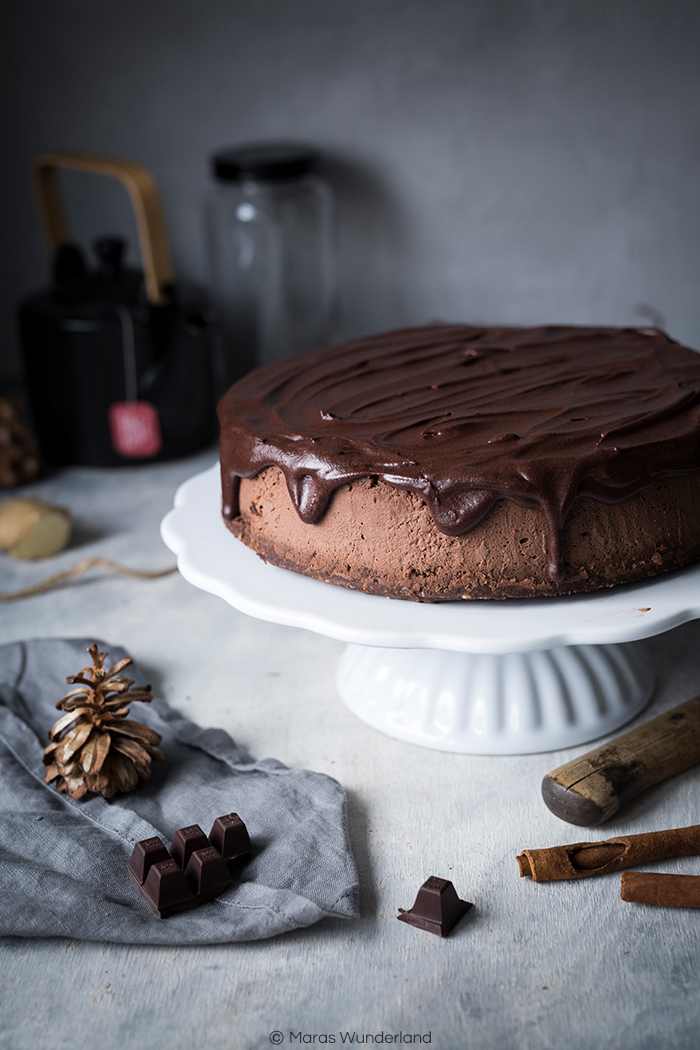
(210, 558)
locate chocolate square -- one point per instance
(207, 872)
(230, 836)
(437, 908)
(146, 853)
(185, 842)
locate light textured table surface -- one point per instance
(560, 965)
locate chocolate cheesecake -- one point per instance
(451, 462)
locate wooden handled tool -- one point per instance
(143, 191)
(590, 789)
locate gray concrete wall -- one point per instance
(511, 161)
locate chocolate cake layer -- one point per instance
(384, 541)
(475, 462)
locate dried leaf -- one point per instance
(51, 773)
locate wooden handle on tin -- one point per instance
(145, 200)
(589, 790)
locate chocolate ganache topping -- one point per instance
(465, 417)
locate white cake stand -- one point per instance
(483, 677)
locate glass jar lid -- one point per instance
(265, 162)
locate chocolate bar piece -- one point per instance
(167, 890)
(230, 836)
(196, 869)
(437, 907)
(185, 842)
(146, 853)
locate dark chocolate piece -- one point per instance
(207, 872)
(437, 907)
(167, 890)
(185, 842)
(146, 853)
(230, 836)
(464, 417)
(196, 869)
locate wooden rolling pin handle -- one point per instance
(591, 788)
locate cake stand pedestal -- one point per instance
(484, 677)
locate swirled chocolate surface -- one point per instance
(465, 417)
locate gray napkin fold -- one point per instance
(63, 862)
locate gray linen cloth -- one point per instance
(63, 862)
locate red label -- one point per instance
(135, 429)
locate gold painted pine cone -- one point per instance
(94, 749)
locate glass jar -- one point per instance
(271, 255)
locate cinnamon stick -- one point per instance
(581, 859)
(650, 887)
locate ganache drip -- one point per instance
(464, 417)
